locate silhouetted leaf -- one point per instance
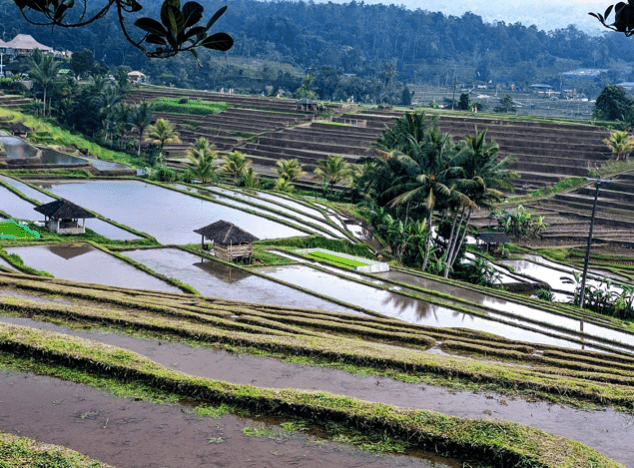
(218, 41)
(216, 16)
(193, 13)
(155, 39)
(150, 25)
(608, 11)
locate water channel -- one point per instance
(607, 431)
(169, 216)
(87, 264)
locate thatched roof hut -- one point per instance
(23, 43)
(18, 128)
(230, 241)
(492, 239)
(63, 217)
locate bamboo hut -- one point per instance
(63, 217)
(230, 241)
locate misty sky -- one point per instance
(545, 14)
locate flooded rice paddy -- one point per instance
(607, 431)
(16, 148)
(169, 216)
(395, 305)
(216, 279)
(128, 433)
(87, 264)
(100, 227)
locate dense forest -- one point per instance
(354, 41)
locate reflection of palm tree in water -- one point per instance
(422, 309)
(400, 304)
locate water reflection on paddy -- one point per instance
(86, 264)
(27, 211)
(216, 279)
(169, 216)
(401, 307)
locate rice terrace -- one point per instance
(235, 303)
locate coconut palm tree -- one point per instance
(45, 74)
(162, 133)
(141, 117)
(620, 143)
(331, 171)
(203, 156)
(289, 169)
(237, 164)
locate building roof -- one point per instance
(19, 127)
(63, 209)
(26, 42)
(494, 237)
(225, 233)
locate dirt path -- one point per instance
(607, 431)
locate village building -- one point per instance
(24, 44)
(229, 241)
(136, 77)
(63, 217)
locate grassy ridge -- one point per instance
(191, 107)
(505, 444)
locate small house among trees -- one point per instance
(230, 241)
(62, 217)
(491, 240)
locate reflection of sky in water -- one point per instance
(26, 211)
(89, 265)
(169, 216)
(272, 206)
(215, 279)
(404, 308)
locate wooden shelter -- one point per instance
(230, 241)
(306, 105)
(492, 239)
(63, 217)
(25, 44)
(18, 128)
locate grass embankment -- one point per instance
(20, 452)
(503, 443)
(186, 106)
(50, 134)
(339, 261)
(351, 343)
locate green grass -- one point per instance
(20, 452)
(191, 107)
(341, 261)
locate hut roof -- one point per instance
(225, 233)
(493, 237)
(19, 127)
(26, 42)
(63, 209)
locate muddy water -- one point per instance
(405, 308)
(606, 431)
(127, 433)
(88, 265)
(100, 227)
(169, 216)
(216, 279)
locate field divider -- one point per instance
(509, 444)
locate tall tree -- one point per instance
(620, 143)
(202, 155)
(331, 171)
(45, 74)
(162, 133)
(236, 164)
(141, 117)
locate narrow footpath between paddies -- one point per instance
(607, 431)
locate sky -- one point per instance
(545, 14)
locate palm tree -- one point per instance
(202, 154)
(162, 133)
(482, 177)
(45, 74)
(250, 178)
(237, 164)
(289, 169)
(141, 117)
(331, 171)
(620, 143)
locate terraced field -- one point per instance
(389, 349)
